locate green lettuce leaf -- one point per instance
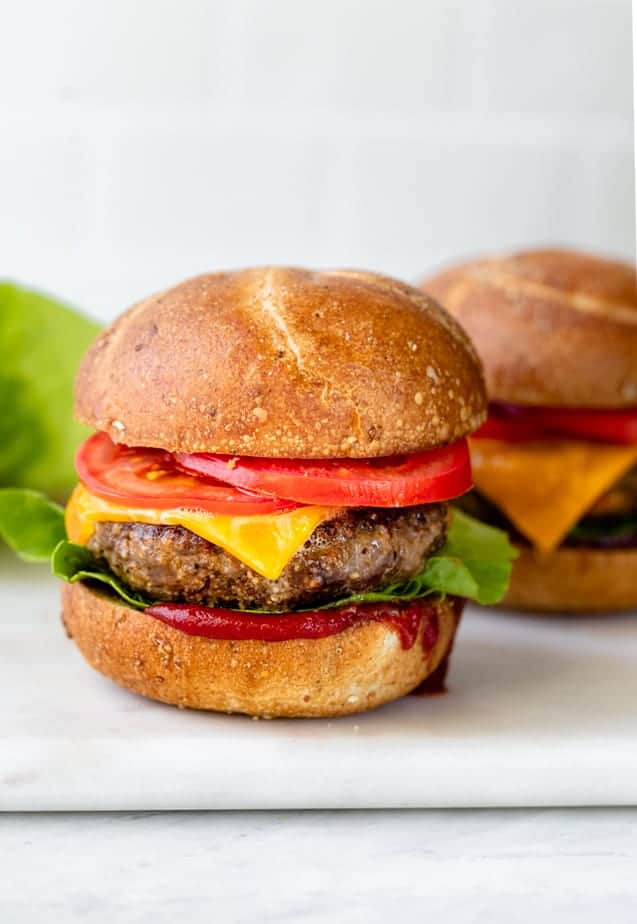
(474, 552)
(474, 563)
(75, 563)
(41, 344)
(30, 524)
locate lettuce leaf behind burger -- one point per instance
(475, 561)
(29, 523)
(41, 344)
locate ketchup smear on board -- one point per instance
(210, 622)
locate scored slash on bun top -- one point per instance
(552, 327)
(284, 362)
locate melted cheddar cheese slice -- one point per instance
(546, 487)
(263, 542)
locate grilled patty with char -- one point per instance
(359, 549)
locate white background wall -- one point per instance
(145, 140)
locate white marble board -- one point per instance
(540, 711)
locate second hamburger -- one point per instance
(556, 462)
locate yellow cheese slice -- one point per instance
(263, 542)
(546, 487)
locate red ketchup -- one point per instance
(210, 622)
(435, 683)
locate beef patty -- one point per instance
(360, 549)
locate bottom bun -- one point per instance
(574, 580)
(355, 670)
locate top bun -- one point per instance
(552, 327)
(284, 362)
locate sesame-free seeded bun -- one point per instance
(352, 671)
(552, 327)
(574, 580)
(284, 362)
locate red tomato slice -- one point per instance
(398, 481)
(516, 428)
(150, 478)
(516, 424)
(613, 426)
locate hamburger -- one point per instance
(261, 521)
(556, 462)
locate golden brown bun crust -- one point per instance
(356, 670)
(552, 327)
(574, 580)
(283, 362)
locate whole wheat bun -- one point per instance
(284, 362)
(552, 327)
(356, 670)
(574, 580)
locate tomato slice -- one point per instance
(150, 478)
(613, 426)
(517, 424)
(397, 481)
(510, 427)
